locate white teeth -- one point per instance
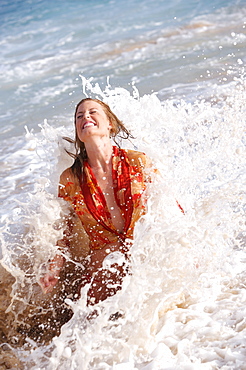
(88, 124)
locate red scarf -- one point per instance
(95, 200)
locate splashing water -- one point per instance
(182, 305)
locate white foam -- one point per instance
(182, 305)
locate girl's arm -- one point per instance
(51, 277)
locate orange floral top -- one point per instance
(87, 200)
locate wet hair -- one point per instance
(118, 131)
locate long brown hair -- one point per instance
(117, 132)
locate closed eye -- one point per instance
(81, 114)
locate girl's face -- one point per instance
(91, 120)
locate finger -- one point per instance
(47, 288)
(45, 285)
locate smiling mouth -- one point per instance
(88, 124)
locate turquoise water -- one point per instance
(177, 49)
(174, 72)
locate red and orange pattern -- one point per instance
(88, 201)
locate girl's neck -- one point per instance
(99, 155)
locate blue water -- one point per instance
(159, 46)
(174, 72)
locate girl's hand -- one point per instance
(48, 282)
(51, 277)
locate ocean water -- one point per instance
(175, 74)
